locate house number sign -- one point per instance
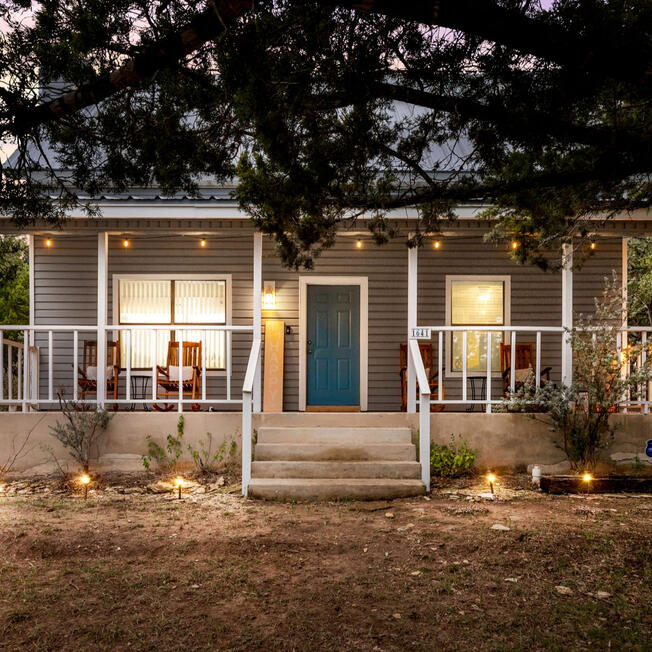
(648, 448)
(421, 333)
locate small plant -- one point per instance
(208, 462)
(81, 431)
(451, 460)
(165, 458)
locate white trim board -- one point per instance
(363, 282)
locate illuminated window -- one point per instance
(175, 302)
(476, 301)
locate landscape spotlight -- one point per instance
(491, 478)
(178, 482)
(85, 480)
(587, 477)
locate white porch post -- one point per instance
(567, 313)
(624, 370)
(102, 283)
(257, 309)
(413, 264)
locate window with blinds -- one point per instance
(174, 302)
(476, 303)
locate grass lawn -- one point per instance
(149, 572)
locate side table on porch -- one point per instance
(477, 393)
(140, 388)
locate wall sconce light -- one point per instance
(202, 244)
(269, 294)
(358, 244)
(125, 243)
(436, 244)
(48, 243)
(593, 246)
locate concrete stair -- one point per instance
(306, 463)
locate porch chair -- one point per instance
(87, 378)
(431, 373)
(167, 378)
(523, 366)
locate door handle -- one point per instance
(309, 351)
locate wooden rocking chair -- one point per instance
(524, 363)
(167, 378)
(431, 373)
(87, 379)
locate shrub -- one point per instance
(579, 413)
(166, 459)
(451, 460)
(80, 433)
(206, 461)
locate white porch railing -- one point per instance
(66, 372)
(248, 389)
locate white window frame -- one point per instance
(116, 278)
(507, 312)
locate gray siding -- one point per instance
(65, 292)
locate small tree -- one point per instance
(580, 412)
(81, 430)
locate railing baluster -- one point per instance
(19, 385)
(228, 365)
(75, 365)
(2, 365)
(50, 370)
(128, 334)
(27, 371)
(203, 365)
(464, 344)
(646, 386)
(489, 366)
(180, 404)
(512, 360)
(538, 361)
(154, 378)
(440, 365)
(10, 375)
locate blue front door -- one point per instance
(333, 345)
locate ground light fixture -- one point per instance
(491, 479)
(85, 480)
(178, 483)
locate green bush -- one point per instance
(451, 460)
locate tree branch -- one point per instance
(163, 53)
(513, 28)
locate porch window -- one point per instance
(174, 302)
(476, 301)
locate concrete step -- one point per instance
(335, 452)
(317, 435)
(303, 489)
(341, 470)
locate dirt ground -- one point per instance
(134, 570)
